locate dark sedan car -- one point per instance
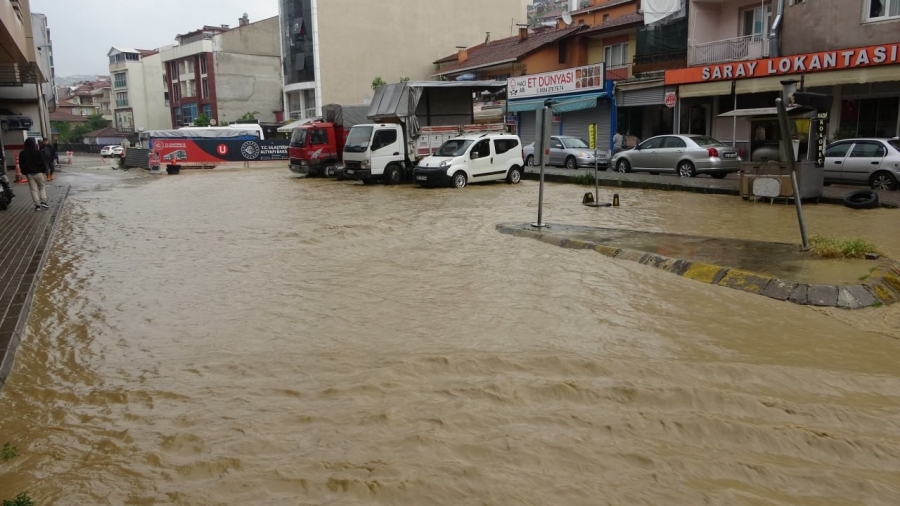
(10, 120)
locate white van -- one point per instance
(472, 159)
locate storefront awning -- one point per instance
(560, 104)
(704, 89)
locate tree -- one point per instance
(201, 120)
(248, 116)
(377, 82)
(75, 134)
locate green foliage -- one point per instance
(585, 178)
(830, 247)
(8, 452)
(248, 116)
(20, 500)
(844, 133)
(75, 134)
(201, 120)
(404, 79)
(377, 82)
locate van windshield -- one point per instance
(298, 138)
(453, 147)
(358, 140)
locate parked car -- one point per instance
(685, 155)
(868, 161)
(111, 151)
(472, 158)
(10, 120)
(569, 152)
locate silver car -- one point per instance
(685, 155)
(872, 162)
(569, 152)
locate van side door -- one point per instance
(480, 160)
(386, 148)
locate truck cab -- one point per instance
(377, 152)
(315, 149)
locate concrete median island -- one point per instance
(776, 270)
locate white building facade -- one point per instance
(138, 95)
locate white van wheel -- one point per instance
(459, 179)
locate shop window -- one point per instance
(878, 10)
(869, 117)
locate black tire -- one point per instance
(393, 175)
(571, 163)
(4, 203)
(686, 169)
(4, 125)
(883, 181)
(459, 180)
(718, 175)
(514, 176)
(861, 199)
(329, 169)
(623, 166)
(529, 161)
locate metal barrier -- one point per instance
(135, 157)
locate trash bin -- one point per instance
(173, 168)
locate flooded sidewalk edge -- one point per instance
(882, 287)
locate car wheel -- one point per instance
(718, 175)
(330, 170)
(623, 166)
(529, 161)
(459, 179)
(686, 169)
(393, 175)
(571, 163)
(514, 175)
(4, 125)
(883, 181)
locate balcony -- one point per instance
(750, 47)
(659, 62)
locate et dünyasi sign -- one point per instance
(558, 82)
(843, 59)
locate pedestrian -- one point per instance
(618, 139)
(50, 158)
(32, 165)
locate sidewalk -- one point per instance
(701, 184)
(25, 236)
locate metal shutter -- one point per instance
(576, 123)
(646, 96)
(527, 123)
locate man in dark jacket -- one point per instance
(31, 162)
(51, 158)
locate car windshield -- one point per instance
(453, 147)
(574, 143)
(298, 138)
(895, 143)
(706, 142)
(358, 140)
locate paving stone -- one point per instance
(822, 295)
(744, 280)
(778, 289)
(799, 294)
(854, 297)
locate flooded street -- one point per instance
(247, 337)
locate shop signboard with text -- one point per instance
(842, 59)
(559, 82)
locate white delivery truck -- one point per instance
(409, 122)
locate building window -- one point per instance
(616, 55)
(207, 110)
(203, 64)
(119, 80)
(190, 89)
(85, 112)
(188, 67)
(132, 57)
(178, 122)
(869, 117)
(176, 92)
(605, 18)
(173, 70)
(166, 98)
(122, 99)
(882, 9)
(563, 51)
(755, 21)
(190, 113)
(204, 85)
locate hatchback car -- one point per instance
(10, 120)
(569, 152)
(872, 162)
(472, 158)
(685, 155)
(111, 151)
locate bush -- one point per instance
(830, 247)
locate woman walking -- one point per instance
(31, 162)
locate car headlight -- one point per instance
(365, 164)
(584, 155)
(446, 163)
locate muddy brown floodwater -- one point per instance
(246, 337)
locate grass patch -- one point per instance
(866, 276)
(8, 452)
(586, 179)
(830, 247)
(20, 500)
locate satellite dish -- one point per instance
(212, 121)
(567, 18)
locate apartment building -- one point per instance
(225, 73)
(138, 95)
(86, 99)
(332, 50)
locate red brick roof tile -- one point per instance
(616, 23)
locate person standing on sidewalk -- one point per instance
(50, 158)
(31, 163)
(618, 140)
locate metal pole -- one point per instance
(544, 125)
(734, 118)
(596, 176)
(787, 154)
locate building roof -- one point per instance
(616, 23)
(64, 116)
(105, 132)
(67, 103)
(504, 50)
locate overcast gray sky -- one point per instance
(83, 31)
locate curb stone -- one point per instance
(882, 285)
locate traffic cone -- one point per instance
(19, 177)
(68, 158)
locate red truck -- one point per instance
(317, 147)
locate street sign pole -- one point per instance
(544, 123)
(593, 131)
